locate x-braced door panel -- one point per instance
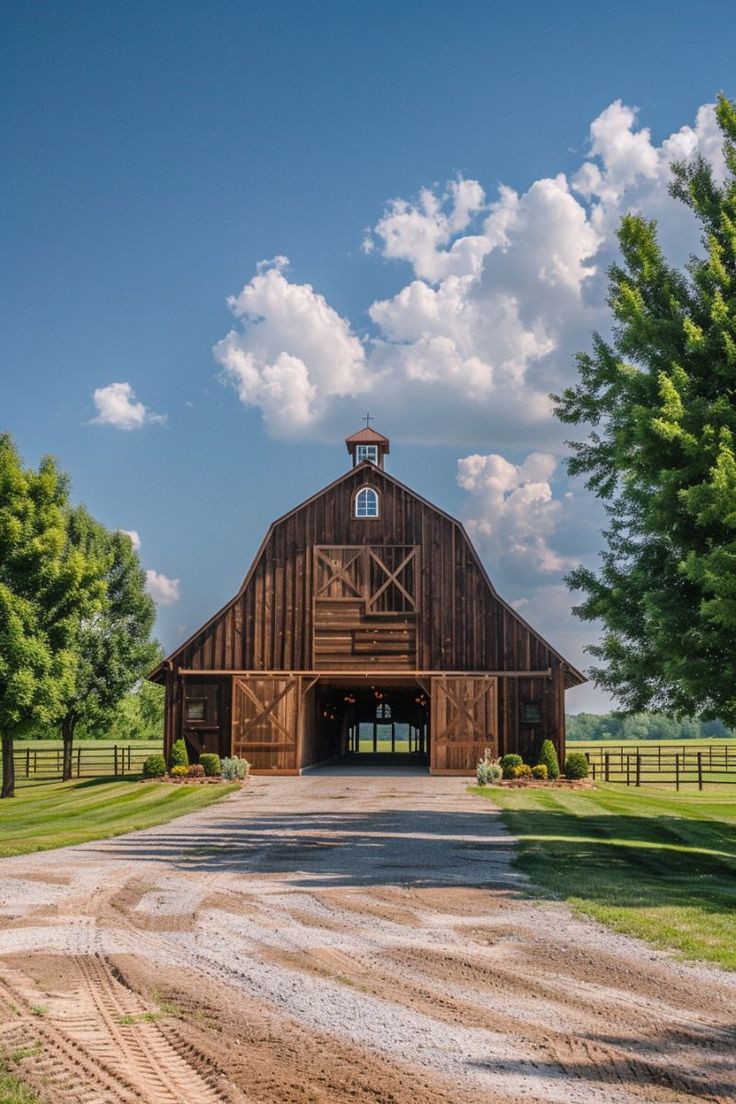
(463, 721)
(266, 720)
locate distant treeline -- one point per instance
(641, 726)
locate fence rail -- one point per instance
(88, 760)
(674, 764)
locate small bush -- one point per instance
(576, 765)
(154, 767)
(211, 764)
(178, 757)
(234, 769)
(179, 772)
(195, 771)
(509, 763)
(548, 758)
(488, 770)
(522, 770)
(540, 772)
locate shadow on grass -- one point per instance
(629, 861)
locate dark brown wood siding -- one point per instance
(278, 623)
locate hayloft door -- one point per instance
(463, 722)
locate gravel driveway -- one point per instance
(338, 937)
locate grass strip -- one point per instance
(56, 814)
(12, 1090)
(661, 866)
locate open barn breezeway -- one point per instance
(354, 934)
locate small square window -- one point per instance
(367, 452)
(196, 709)
(531, 713)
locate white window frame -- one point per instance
(366, 452)
(367, 494)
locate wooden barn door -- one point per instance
(463, 722)
(266, 718)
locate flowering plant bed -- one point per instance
(546, 783)
(185, 781)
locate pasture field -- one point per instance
(150, 746)
(648, 862)
(44, 815)
(643, 745)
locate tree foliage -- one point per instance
(114, 646)
(659, 404)
(47, 587)
(75, 619)
(642, 726)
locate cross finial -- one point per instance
(368, 419)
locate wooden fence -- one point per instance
(665, 764)
(89, 760)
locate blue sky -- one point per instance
(154, 154)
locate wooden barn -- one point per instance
(366, 624)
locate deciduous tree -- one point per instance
(47, 585)
(114, 646)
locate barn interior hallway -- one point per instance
(382, 727)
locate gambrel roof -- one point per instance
(378, 477)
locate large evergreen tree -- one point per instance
(47, 586)
(661, 401)
(114, 646)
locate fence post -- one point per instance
(79, 762)
(607, 766)
(677, 770)
(628, 769)
(700, 770)
(115, 758)
(28, 762)
(638, 769)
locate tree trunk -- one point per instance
(8, 789)
(67, 734)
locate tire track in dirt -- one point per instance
(99, 1036)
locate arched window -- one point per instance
(366, 503)
(383, 711)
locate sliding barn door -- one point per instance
(463, 722)
(266, 718)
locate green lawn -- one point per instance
(651, 863)
(54, 814)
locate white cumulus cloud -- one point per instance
(512, 512)
(117, 406)
(164, 591)
(502, 291)
(293, 354)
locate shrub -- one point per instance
(154, 767)
(179, 772)
(179, 757)
(234, 769)
(195, 771)
(576, 765)
(548, 758)
(211, 764)
(509, 763)
(540, 771)
(522, 770)
(488, 770)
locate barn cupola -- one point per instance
(367, 445)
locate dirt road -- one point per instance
(338, 938)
